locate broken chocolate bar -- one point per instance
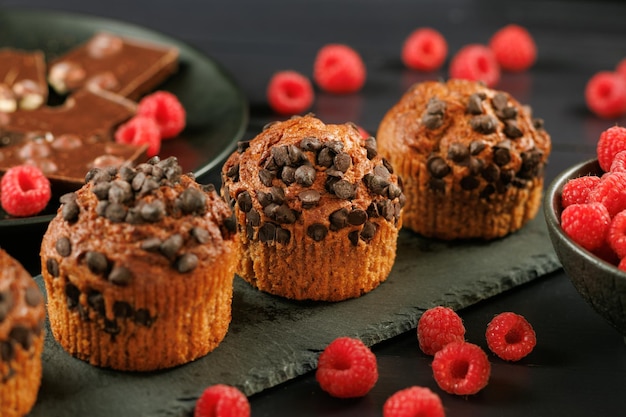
(22, 80)
(124, 66)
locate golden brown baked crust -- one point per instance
(22, 315)
(318, 212)
(471, 159)
(139, 267)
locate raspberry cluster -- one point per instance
(24, 191)
(160, 116)
(594, 206)
(605, 92)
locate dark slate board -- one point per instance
(272, 340)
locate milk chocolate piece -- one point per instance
(22, 79)
(128, 67)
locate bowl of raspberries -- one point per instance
(585, 211)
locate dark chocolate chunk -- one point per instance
(369, 231)
(186, 262)
(382, 171)
(32, 296)
(278, 195)
(201, 235)
(491, 172)
(22, 335)
(152, 211)
(357, 217)
(142, 316)
(437, 184)
(280, 155)
(469, 183)
(267, 232)
(432, 121)
(484, 124)
(63, 246)
(72, 294)
(138, 181)
(475, 166)
(338, 219)
(97, 175)
(253, 218)
(171, 245)
(437, 167)
(436, 106)
(377, 184)
(531, 163)
(152, 244)
(70, 211)
(332, 172)
(394, 191)
(266, 177)
(487, 191)
(305, 175)
(244, 201)
(344, 190)
(317, 231)
(335, 145)
(325, 157)
(387, 165)
(288, 175)
(353, 236)
(371, 147)
(192, 201)
(122, 309)
(311, 144)
(6, 302)
(458, 153)
(111, 327)
(512, 130)
(284, 215)
(242, 145)
(500, 101)
(506, 113)
(265, 199)
(7, 352)
(538, 123)
(97, 262)
(233, 173)
(475, 103)
(342, 161)
(101, 190)
(95, 300)
(120, 192)
(476, 147)
(120, 275)
(502, 153)
(52, 266)
(283, 236)
(115, 212)
(295, 155)
(309, 198)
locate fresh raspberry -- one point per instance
(611, 192)
(24, 191)
(622, 265)
(510, 336)
(289, 93)
(461, 368)
(617, 234)
(586, 224)
(576, 190)
(413, 401)
(222, 401)
(347, 368)
(437, 327)
(364, 133)
(619, 162)
(606, 253)
(477, 63)
(605, 94)
(514, 48)
(140, 130)
(611, 142)
(168, 112)
(339, 69)
(425, 49)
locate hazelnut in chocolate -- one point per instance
(22, 80)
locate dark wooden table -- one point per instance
(579, 365)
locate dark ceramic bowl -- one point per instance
(600, 283)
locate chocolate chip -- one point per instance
(266, 177)
(280, 155)
(142, 316)
(338, 219)
(186, 263)
(127, 173)
(386, 209)
(153, 211)
(295, 155)
(70, 211)
(369, 231)
(317, 231)
(394, 191)
(538, 123)
(372, 210)
(7, 352)
(120, 275)
(335, 145)
(284, 215)
(149, 185)
(120, 192)
(332, 172)
(97, 175)
(512, 130)
(491, 172)
(192, 201)
(111, 327)
(63, 246)
(253, 218)
(484, 124)
(171, 245)
(305, 175)
(531, 163)
(469, 183)
(244, 201)
(437, 167)
(267, 232)
(500, 101)
(342, 161)
(353, 236)
(72, 294)
(357, 217)
(52, 266)
(152, 244)
(432, 121)
(502, 153)
(325, 157)
(382, 171)
(6, 302)
(506, 113)
(233, 173)
(309, 198)
(22, 335)
(115, 212)
(475, 166)
(436, 106)
(476, 147)
(101, 190)
(344, 190)
(371, 147)
(97, 262)
(437, 184)
(458, 153)
(33, 296)
(487, 191)
(311, 144)
(506, 176)
(201, 235)
(122, 309)
(475, 103)
(283, 236)
(377, 184)
(95, 300)
(265, 199)
(288, 175)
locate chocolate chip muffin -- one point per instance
(22, 315)
(317, 210)
(471, 159)
(138, 266)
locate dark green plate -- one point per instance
(217, 111)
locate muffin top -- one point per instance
(303, 172)
(465, 130)
(133, 223)
(22, 310)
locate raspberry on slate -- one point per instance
(477, 63)
(347, 368)
(140, 130)
(605, 94)
(576, 190)
(339, 69)
(611, 142)
(24, 191)
(413, 401)
(586, 224)
(514, 48)
(425, 49)
(611, 192)
(222, 401)
(437, 327)
(461, 368)
(168, 112)
(289, 93)
(510, 336)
